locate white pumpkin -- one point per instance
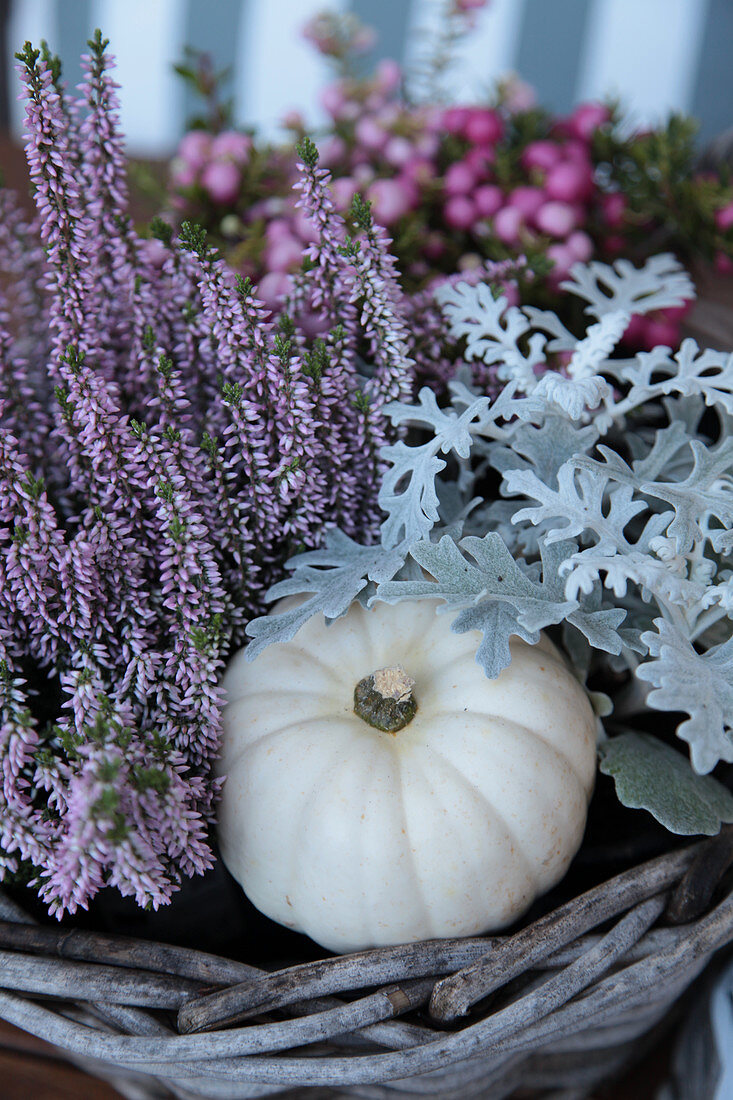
(449, 826)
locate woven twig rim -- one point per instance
(572, 991)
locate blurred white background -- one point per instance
(657, 55)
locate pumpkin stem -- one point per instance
(384, 699)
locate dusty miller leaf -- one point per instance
(689, 372)
(493, 330)
(708, 490)
(496, 596)
(572, 396)
(651, 776)
(581, 501)
(408, 494)
(660, 283)
(597, 624)
(335, 575)
(701, 684)
(591, 352)
(542, 448)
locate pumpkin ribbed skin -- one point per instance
(449, 827)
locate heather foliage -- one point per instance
(166, 444)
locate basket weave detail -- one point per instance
(566, 1006)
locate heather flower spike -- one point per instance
(166, 445)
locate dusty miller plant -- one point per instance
(611, 522)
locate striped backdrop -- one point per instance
(658, 55)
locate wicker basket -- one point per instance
(553, 1009)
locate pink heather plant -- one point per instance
(167, 443)
(457, 185)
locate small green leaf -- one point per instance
(307, 150)
(651, 776)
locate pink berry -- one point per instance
(363, 174)
(284, 254)
(613, 207)
(388, 115)
(517, 95)
(508, 224)
(511, 293)
(343, 189)
(580, 245)
(155, 251)
(303, 226)
(479, 160)
(677, 313)
(557, 219)
(562, 259)
(568, 182)
(586, 118)
(231, 145)
(273, 287)
(278, 229)
(390, 201)
(541, 154)
(664, 333)
(635, 333)
(454, 119)
(195, 148)
(419, 170)
(183, 174)
(222, 180)
(410, 187)
(459, 212)
(370, 134)
(528, 200)
(293, 120)
(724, 217)
(427, 145)
(333, 99)
(488, 199)
(723, 263)
(484, 127)
(576, 152)
(388, 75)
(332, 151)
(375, 101)
(398, 151)
(459, 179)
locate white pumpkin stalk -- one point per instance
(380, 789)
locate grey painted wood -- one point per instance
(573, 1015)
(390, 19)
(551, 46)
(74, 27)
(214, 28)
(712, 100)
(453, 996)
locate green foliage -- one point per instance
(650, 775)
(193, 238)
(161, 230)
(361, 212)
(307, 150)
(208, 84)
